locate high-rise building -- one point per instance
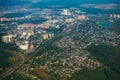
(7, 38)
(66, 12)
(24, 46)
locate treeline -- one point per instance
(9, 46)
(108, 55)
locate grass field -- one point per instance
(97, 74)
(41, 74)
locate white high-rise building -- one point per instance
(66, 12)
(7, 38)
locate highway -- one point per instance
(23, 58)
(14, 67)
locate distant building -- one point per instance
(24, 46)
(115, 15)
(7, 38)
(81, 17)
(3, 19)
(27, 25)
(45, 25)
(45, 36)
(31, 46)
(70, 20)
(66, 12)
(51, 35)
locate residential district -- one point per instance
(71, 32)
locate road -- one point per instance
(65, 30)
(14, 67)
(24, 59)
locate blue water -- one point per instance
(104, 24)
